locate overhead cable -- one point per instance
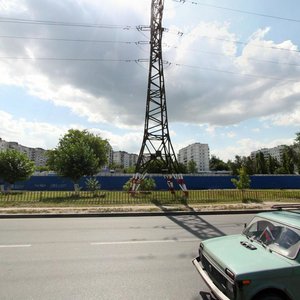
(238, 10)
(146, 61)
(60, 23)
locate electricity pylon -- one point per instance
(157, 151)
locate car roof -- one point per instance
(288, 217)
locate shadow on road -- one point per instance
(193, 222)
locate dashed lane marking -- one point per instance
(15, 246)
(144, 242)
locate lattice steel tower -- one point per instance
(156, 147)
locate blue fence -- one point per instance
(116, 182)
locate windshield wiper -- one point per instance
(261, 242)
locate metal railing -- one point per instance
(87, 198)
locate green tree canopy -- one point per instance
(192, 167)
(297, 139)
(272, 164)
(78, 153)
(157, 166)
(297, 151)
(289, 160)
(182, 168)
(261, 163)
(15, 166)
(235, 165)
(216, 164)
(243, 181)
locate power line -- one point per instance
(68, 24)
(67, 59)
(239, 10)
(138, 61)
(246, 43)
(248, 58)
(138, 43)
(140, 28)
(71, 40)
(234, 73)
(255, 45)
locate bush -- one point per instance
(93, 185)
(146, 184)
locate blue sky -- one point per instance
(232, 80)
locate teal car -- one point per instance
(261, 263)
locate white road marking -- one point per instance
(15, 246)
(144, 242)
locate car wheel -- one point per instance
(270, 296)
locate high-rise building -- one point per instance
(275, 152)
(37, 155)
(197, 152)
(124, 159)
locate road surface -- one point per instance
(107, 258)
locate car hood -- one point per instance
(228, 252)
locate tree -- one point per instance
(244, 180)
(15, 166)
(129, 170)
(288, 160)
(42, 168)
(296, 148)
(216, 164)
(182, 168)
(78, 153)
(192, 167)
(272, 164)
(235, 165)
(261, 164)
(156, 167)
(297, 139)
(249, 165)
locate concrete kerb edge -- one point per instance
(130, 214)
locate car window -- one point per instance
(278, 237)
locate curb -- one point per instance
(130, 214)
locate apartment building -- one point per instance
(3, 145)
(124, 159)
(275, 152)
(37, 155)
(197, 152)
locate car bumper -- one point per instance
(217, 293)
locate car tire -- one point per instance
(270, 296)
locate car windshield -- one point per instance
(278, 237)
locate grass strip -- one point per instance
(105, 198)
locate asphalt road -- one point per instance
(107, 258)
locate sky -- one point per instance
(232, 72)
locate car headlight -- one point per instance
(201, 247)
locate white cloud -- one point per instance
(45, 135)
(11, 6)
(207, 83)
(245, 146)
(204, 83)
(231, 134)
(29, 133)
(291, 119)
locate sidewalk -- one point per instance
(135, 210)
